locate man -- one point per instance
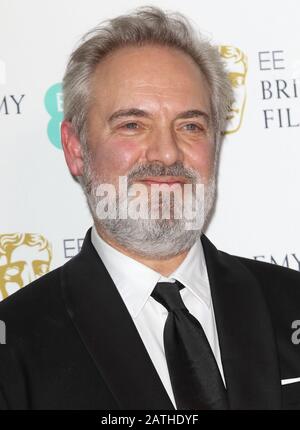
(150, 315)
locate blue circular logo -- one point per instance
(54, 106)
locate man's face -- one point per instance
(149, 118)
(164, 83)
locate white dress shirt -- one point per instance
(135, 283)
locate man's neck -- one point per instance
(163, 266)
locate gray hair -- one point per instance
(145, 25)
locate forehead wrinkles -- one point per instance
(179, 85)
(115, 88)
(147, 85)
(193, 90)
(151, 98)
(162, 66)
(155, 94)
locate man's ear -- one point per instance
(72, 148)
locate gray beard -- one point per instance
(150, 238)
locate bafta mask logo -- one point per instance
(24, 257)
(237, 66)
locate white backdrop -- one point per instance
(258, 207)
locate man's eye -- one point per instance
(130, 125)
(193, 127)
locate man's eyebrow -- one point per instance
(193, 113)
(128, 112)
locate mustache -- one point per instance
(143, 171)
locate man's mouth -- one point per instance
(169, 180)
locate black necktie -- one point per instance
(194, 373)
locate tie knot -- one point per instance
(168, 295)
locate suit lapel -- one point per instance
(246, 338)
(109, 334)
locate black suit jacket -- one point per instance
(71, 343)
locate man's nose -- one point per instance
(164, 148)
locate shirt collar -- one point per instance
(136, 281)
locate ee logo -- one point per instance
(54, 106)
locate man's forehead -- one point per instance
(142, 113)
(129, 52)
(146, 66)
